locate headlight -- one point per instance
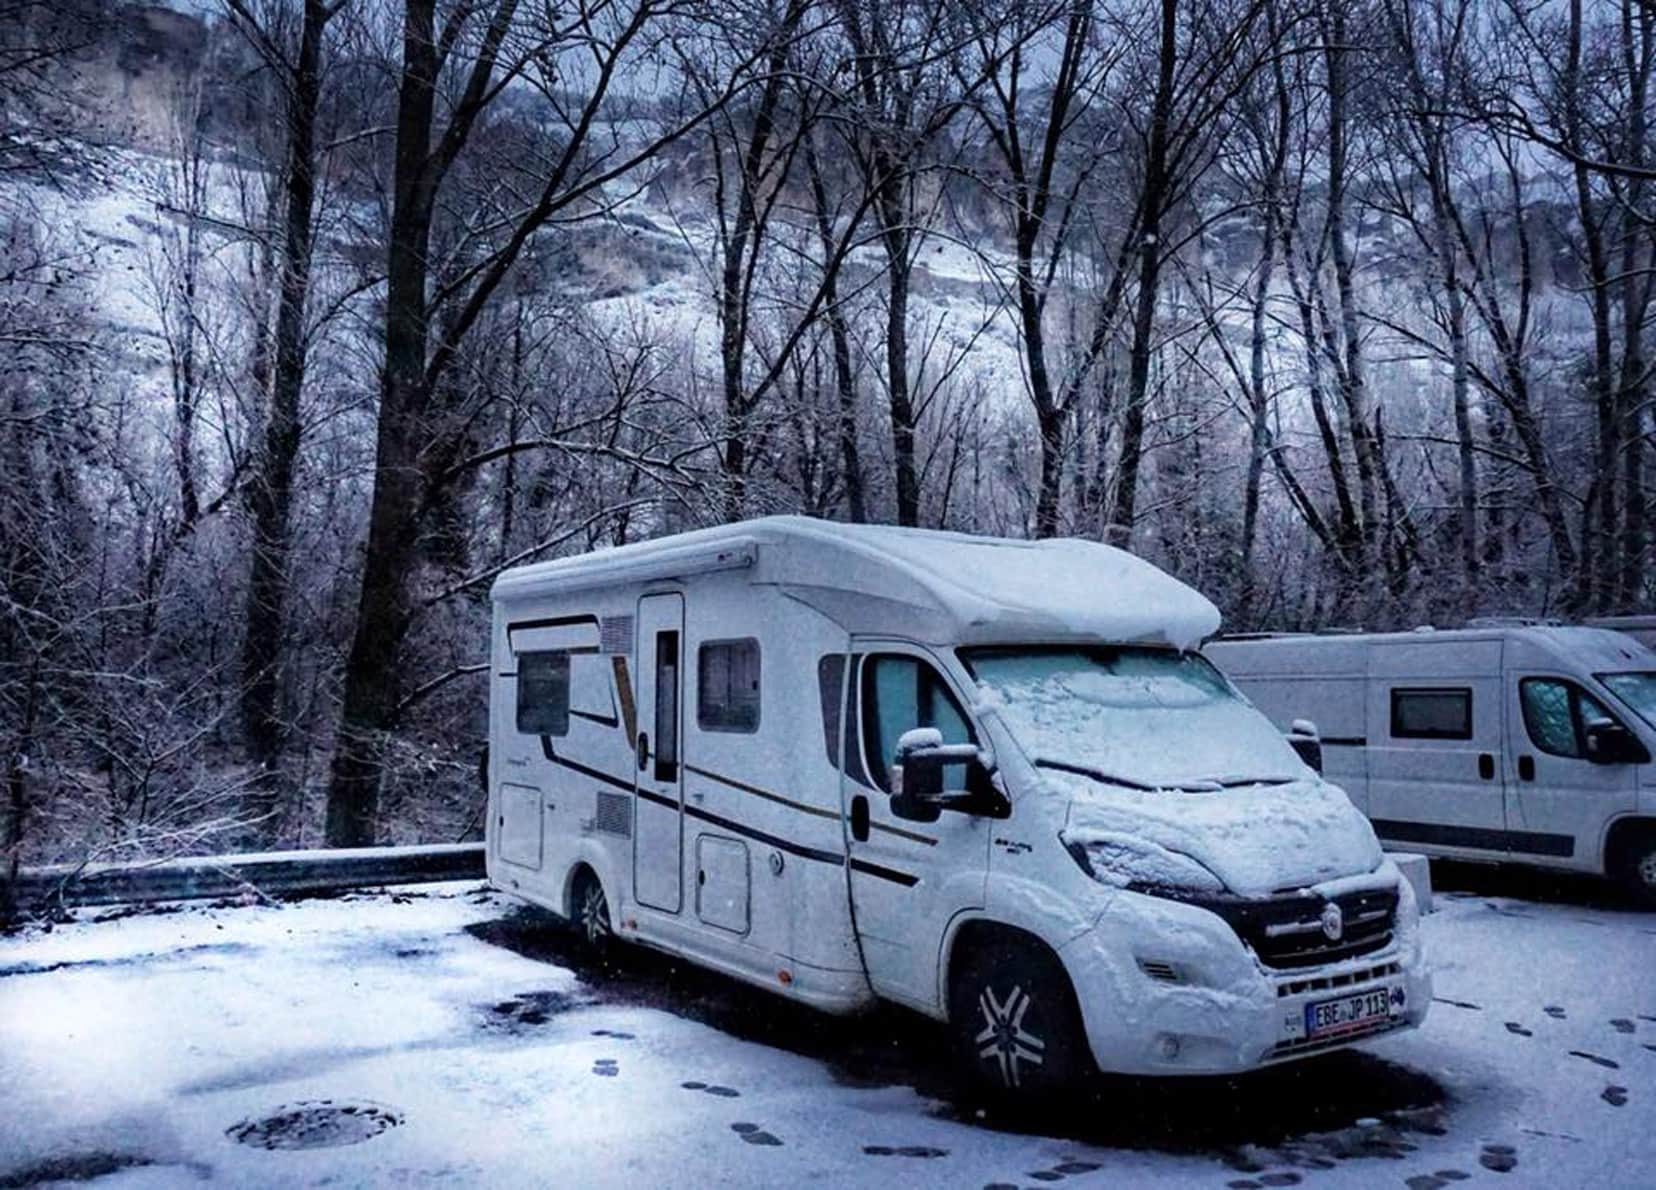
(1128, 862)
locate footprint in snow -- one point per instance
(721, 1092)
(1607, 1063)
(613, 1033)
(1437, 1179)
(1554, 1011)
(1622, 1025)
(754, 1135)
(1614, 1096)
(1499, 1158)
(1268, 1179)
(605, 1068)
(1515, 1027)
(904, 1151)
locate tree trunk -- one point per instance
(271, 494)
(371, 691)
(1153, 204)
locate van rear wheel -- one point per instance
(1016, 1026)
(591, 916)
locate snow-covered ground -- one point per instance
(472, 1046)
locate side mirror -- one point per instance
(917, 792)
(1611, 743)
(1304, 738)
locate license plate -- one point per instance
(1347, 1014)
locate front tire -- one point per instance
(1636, 869)
(1016, 1025)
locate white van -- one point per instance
(1531, 744)
(990, 780)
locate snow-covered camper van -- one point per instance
(986, 779)
(1524, 743)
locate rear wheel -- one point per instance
(1017, 1028)
(1636, 868)
(591, 916)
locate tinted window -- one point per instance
(666, 706)
(543, 693)
(830, 677)
(1431, 714)
(1557, 714)
(727, 685)
(902, 693)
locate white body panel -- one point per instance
(1494, 792)
(765, 844)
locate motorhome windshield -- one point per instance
(1131, 716)
(1637, 690)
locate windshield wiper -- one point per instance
(1200, 785)
(1081, 770)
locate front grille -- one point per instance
(1286, 932)
(1329, 983)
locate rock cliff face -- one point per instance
(132, 69)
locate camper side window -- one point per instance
(901, 693)
(543, 693)
(1557, 714)
(727, 685)
(1444, 714)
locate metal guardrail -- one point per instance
(272, 873)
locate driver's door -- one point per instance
(908, 878)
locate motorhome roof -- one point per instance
(925, 584)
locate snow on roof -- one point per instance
(1589, 648)
(938, 586)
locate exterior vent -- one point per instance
(614, 816)
(615, 635)
(1158, 970)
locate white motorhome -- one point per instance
(1525, 743)
(986, 779)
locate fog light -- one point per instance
(1167, 1045)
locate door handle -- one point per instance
(859, 818)
(643, 750)
(1486, 766)
(1526, 768)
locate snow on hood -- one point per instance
(1257, 839)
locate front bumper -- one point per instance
(1167, 988)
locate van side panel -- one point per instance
(1436, 738)
(1323, 680)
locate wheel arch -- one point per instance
(967, 934)
(1621, 834)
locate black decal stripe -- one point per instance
(603, 720)
(911, 836)
(1476, 837)
(651, 795)
(576, 766)
(799, 849)
(1346, 741)
(868, 869)
(764, 793)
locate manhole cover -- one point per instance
(316, 1124)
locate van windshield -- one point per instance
(1637, 690)
(1131, 715)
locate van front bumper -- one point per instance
(1168, 988)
